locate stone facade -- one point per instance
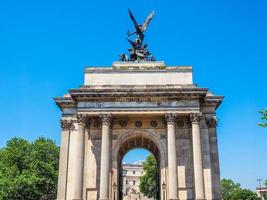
(146, 105)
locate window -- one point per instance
(133, 182)
(126, 181)
(133, 172)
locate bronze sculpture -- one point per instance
(139, 51)
(140, 29)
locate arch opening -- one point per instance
(133, 143)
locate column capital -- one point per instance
(83, 119)
(106, 118)
(211, 121)
(65, 124)
(170, 118)
(195, 117)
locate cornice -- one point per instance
(110, 70)
(65, 102)
(136, 93)
(212, 101)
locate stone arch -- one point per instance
(139, 139)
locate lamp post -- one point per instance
(259, 180)
(163, 188)
(114, 188)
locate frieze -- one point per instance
(136, 98)
(180, 122)
(97, 123)
(154, 123)
(138, 124)
(123, 123)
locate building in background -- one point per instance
(131, 181)
(262, 192)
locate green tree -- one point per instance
(244, 194)
(233, 191)
(264, 118)
(148, 182)
(28, 171)
(265, 182)
(228, 188)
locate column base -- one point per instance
(174, 199)
(104, 199)
(78, 199)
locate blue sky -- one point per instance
(44, 46)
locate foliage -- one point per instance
(28, 171)
(265, 182)
(244, 194)
(148, 182)
(228, 187)
(233, 191)
(264, 118)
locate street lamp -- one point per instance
(163, 188)
(114, 188)
(259, 180)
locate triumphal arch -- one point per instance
(138, 102)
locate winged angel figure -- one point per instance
(140, 29)
(138, 51)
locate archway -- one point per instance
(134, 140)
(130, 173)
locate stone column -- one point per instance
(105, 156)
(172, 159)
(63, 159)
(78, 148)
(207, 174)
(215, 167)
(197, 157)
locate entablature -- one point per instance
(137, 94)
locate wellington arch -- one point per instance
(138, 104)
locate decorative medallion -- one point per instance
(180, 123)
(154, 123)
(123, 124)
(138, 123)
(97, 124)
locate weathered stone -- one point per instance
(146, 105)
